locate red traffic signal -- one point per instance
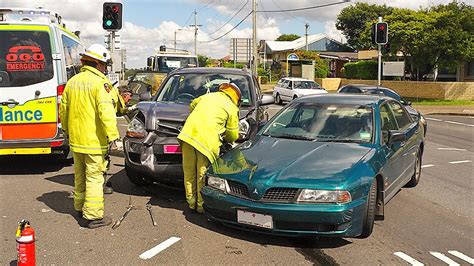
(112, 16)
(381, 33)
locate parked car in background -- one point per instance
(323, 165)
(288, 89)
(371, 89)
(159, 121)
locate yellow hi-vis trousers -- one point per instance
(88, 185)
(194, 168)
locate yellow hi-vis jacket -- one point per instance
(212, 117)
(87, 113)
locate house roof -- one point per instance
(298, 43)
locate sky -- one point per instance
(151, 23)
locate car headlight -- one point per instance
(216, 182)
(324, 196)
(136, 129)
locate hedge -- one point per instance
(361, 70)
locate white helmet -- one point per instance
(97, 51)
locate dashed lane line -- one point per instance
(408, 259)
(427, 165)
(456, 162)
(442, 257)
(160, 247)
(461, 256)
(451, 149)
(459, 123)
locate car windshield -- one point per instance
(186, 87)
(323, 122)
(305, 85)
(170, 63)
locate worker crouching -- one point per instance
(214, 118)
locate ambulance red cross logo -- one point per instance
(25, 58)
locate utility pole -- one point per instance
(254, 38)
(195, 32)
(306, 26)
(175, 40)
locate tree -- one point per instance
(321, 66)
(288, 37)
(429, 37)
(203, 60)
(352, 21)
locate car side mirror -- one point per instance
(409, 103)
(395, 136)
(145, 96)
(266, 100)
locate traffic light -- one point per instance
(112, 16)
(381, 33)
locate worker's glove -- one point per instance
(132, 108)
(116, 145)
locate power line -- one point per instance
(263, 8)
(304, 8)
(238, 24)
(223, 25)
(288, 14)
(186, 23)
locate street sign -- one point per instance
(293, 57)
(114, 77)
(241, 50)
(394, 69)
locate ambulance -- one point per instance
(38, 55)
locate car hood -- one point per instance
(173, 111)
(266, 161)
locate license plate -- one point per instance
(255, 219)
(171, 149)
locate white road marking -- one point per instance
(458, 123)
(465, 161)
(408, 259)
(451, 149)
(433, 119)
(461, 256)
(160, 247)
(427, 165)
(442, 257)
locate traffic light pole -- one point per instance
(379, 75)
(112, 50)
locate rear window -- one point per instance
(25, 58)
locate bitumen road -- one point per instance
(432, 223)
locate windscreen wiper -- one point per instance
(341, 140)
(292, 136)
(9, 102)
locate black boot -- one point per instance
(108, 187)
(92, 224)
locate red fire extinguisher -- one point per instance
(25, 239)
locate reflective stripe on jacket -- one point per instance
(87, 113)
(212, 117)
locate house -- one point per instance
(328, 48)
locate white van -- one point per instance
(37, 57)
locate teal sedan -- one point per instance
(323, 165)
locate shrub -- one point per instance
(361, 70)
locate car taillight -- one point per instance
(59, 92)
(56, 143)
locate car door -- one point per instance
(392, 170)
(409, 147)
(284, 90)
(289, 91)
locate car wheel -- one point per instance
(417, 174)
(368, 225)
(278, 99)
(135, 177)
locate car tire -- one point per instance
(417, 174)
(368, 225)
(278, 99)
(135, 177)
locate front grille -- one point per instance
(168, 158)
(305, 226)
(280, 194)
(238, 188)
(168, 127)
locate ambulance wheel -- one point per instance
(135, 177)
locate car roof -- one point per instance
(210, 70)
(297, 79)
(367, 87)
(342, 98)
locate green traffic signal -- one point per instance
(108, 23)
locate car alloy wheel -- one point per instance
(278, 99)
(417, 174)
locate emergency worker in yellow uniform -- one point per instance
(214, 118)
(88, 119)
